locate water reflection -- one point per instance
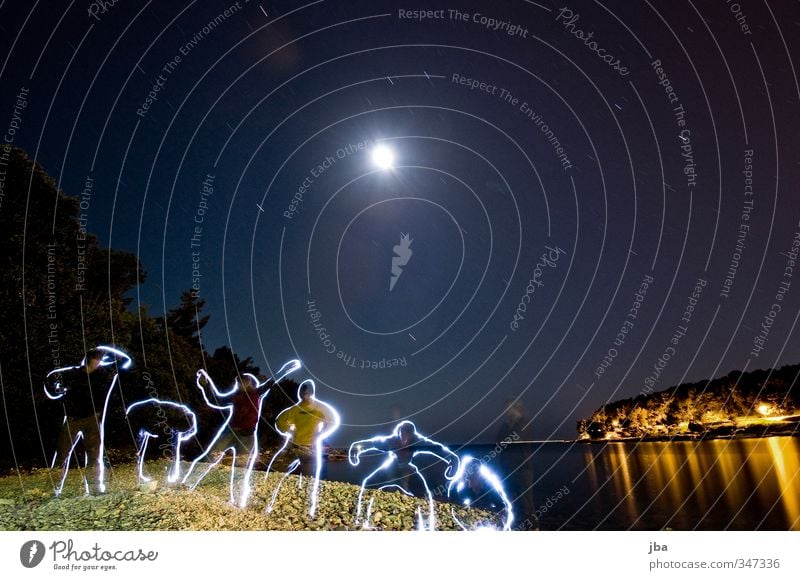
(722, 484)
(740, 484)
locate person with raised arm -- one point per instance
(241, 406)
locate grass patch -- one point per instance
(27, 503)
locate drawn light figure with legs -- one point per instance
(153, 416)
(477, 486)
(85, 390)
(304, 427)
(239, 430)
(401, 447)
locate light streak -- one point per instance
(379, 443)
(180, 436)
(326, 426)
(112, 356)
(385, 465)
(203, 377)
(140, 452)
(292, 466)
(369, 513)
(287, 369)
(60, 486)
(488, 476)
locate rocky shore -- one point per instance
(27, 503)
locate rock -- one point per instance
(129, 506)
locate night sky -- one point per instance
(601, 198)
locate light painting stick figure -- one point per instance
(80, 388)
(148, 431)
(304, 426)
(229, 437)
(398, 448)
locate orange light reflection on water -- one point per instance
(784, 452)
(722, 483)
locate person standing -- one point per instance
(242, 406)
(85, 391)
(401, 447)
(305, 426)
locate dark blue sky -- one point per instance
(577, 167)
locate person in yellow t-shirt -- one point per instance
(304, 426)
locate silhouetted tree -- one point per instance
(185, 319)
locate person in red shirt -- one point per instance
(239, 431)
(401, 447)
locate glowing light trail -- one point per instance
(309, 421)
(57, 390)
(397, 446)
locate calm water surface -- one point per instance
(741, 484)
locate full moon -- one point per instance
(383, 157)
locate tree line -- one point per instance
(718, 405)
(63, 293)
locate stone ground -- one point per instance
(27, 503)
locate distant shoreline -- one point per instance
(781, 431)
(698, 438)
